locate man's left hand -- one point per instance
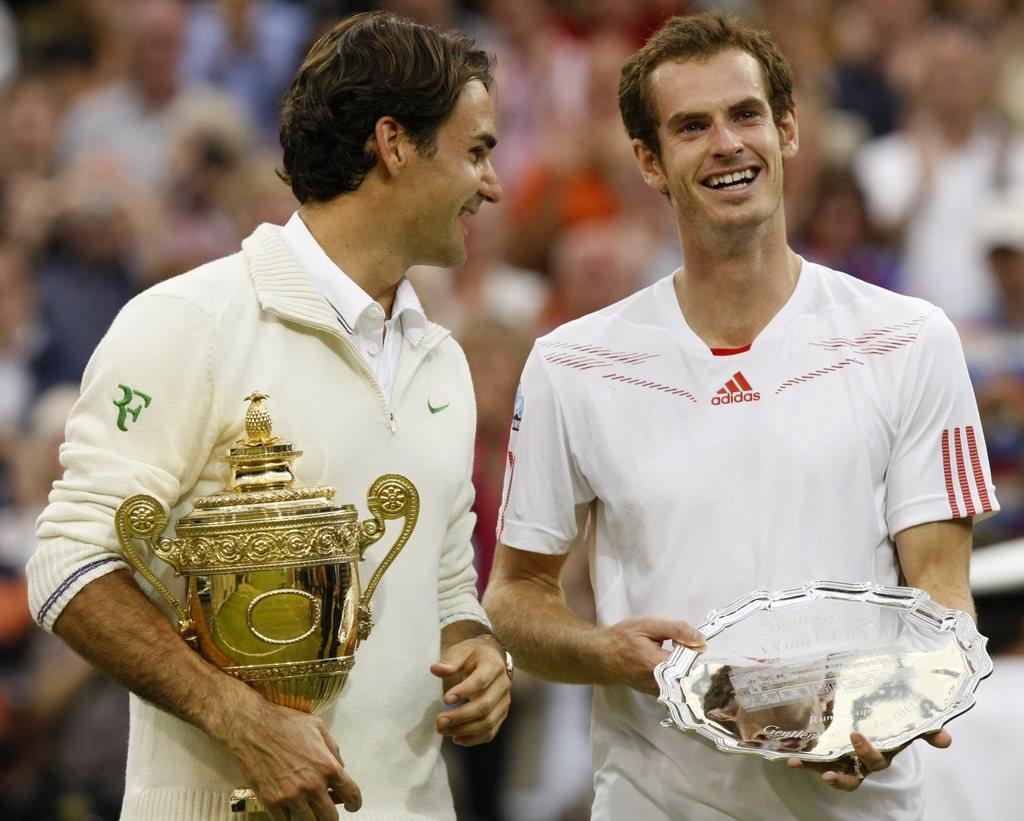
(843, 775)
(474, 673)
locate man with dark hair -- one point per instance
(387, 135)
(752, 421)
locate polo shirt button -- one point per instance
(373, 349)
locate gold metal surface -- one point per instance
(273, 594)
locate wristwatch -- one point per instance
(509, 666)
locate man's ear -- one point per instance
(390, 143)
(789, 137)
(650, 167)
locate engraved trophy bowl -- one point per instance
(273, 594)
(791, 673)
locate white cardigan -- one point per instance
(188, 351)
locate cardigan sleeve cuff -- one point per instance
(59, 570)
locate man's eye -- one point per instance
(748, 115)
(690, 128)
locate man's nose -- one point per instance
(724, 140)
(490, 187)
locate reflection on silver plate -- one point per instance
(792, 673)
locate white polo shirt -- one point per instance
(377, 339)
(850, 418)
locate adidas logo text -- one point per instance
(728, 399)
(736, 390)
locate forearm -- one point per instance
(118, 629)
(544, 636)
(946, 589)
(936, 557)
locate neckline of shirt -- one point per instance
(349, 302)
(672, 314)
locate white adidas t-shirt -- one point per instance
(849, 419)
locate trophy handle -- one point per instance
(143, 517)
(390, 497)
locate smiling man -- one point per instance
(387, 132)
(750, 421)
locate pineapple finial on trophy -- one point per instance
(258, 425)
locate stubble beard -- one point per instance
(728, 235)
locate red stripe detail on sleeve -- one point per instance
(979, 476)
(742, 381)
(954, 508)
(730, 351)
(961, 471)
(508, 492)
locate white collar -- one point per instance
(350, 302)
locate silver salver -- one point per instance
(791, 673)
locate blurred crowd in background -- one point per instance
(140, 139)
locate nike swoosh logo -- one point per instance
(437, 409)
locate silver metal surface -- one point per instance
(792, 673)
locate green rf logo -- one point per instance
(125, 408)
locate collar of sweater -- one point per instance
(285, 289)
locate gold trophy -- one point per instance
(273, 595)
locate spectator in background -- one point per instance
(841, 236)
(586, 172)
(496, 353)
(486, 287)
(63, 727)
(210, 181)
(271, 200)
(924, 181)
(29, 117)
(249, 48)
(19, 340)
(96, 261)
(540, 83)
(1010, 59)
(593, 266)
(869, 38)
(441, 14)
(132, 116)
(995, 358)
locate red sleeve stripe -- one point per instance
(961, 471)
(508, 492)
(979, 477)
(954, 508)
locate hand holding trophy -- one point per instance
(273, 594)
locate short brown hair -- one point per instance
(697, 37)
(368, 66)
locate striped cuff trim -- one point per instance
(70, 580)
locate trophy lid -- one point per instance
(261, 486)
(260, 461)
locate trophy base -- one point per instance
(245, 804)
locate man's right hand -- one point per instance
(291, 762)
(635, 649)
